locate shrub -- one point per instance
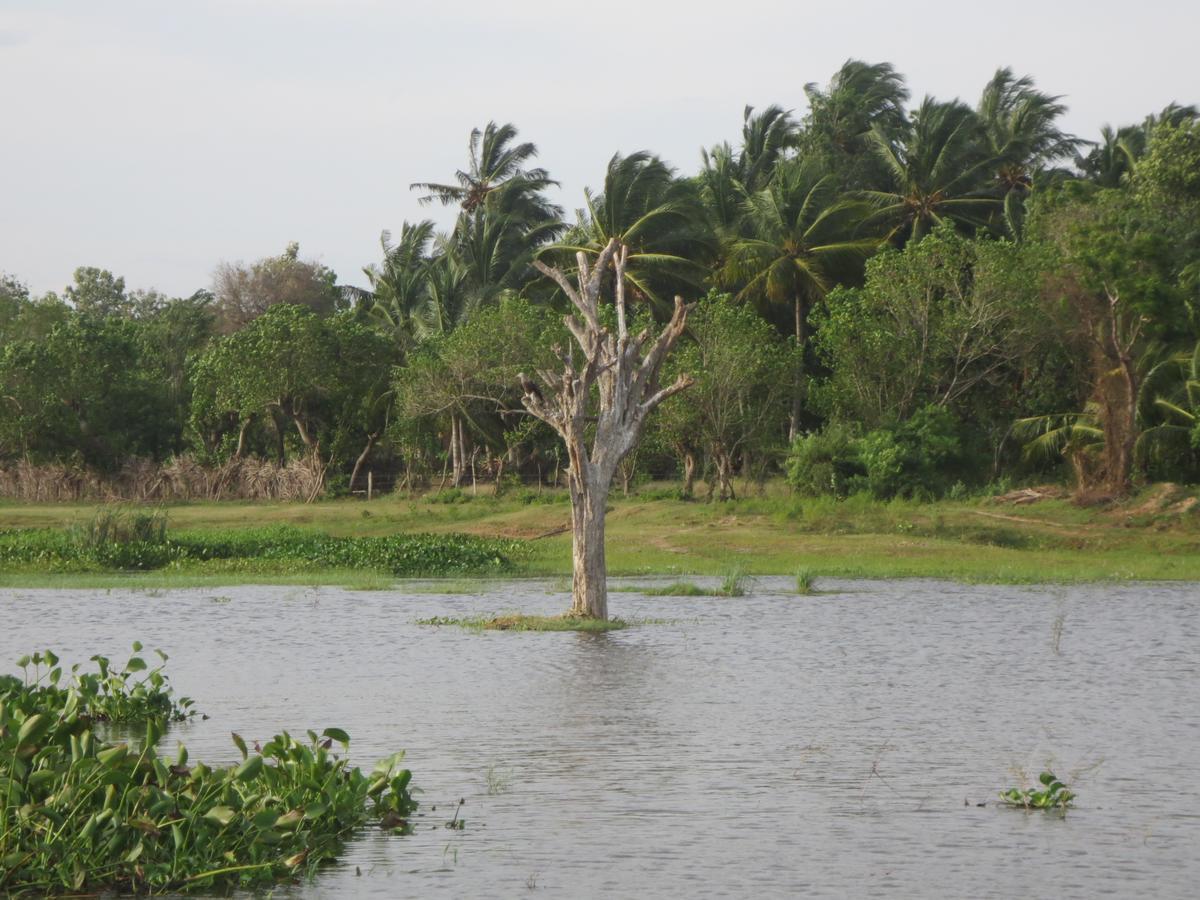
(918, 458)
(825, 462)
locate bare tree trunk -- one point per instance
(689, 473)
(798, 371)
(362, 457)
(241, 444)
(589, 578)
(1120, 398)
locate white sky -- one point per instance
(157, 138)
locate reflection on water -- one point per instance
(767, 745)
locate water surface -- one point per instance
(770, 745)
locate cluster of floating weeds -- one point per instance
(1054, 795)
(81, 813)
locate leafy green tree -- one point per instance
(1020, 127)
(1114, 159)
(468, 376)
(737, 405)
(83, 392)
(1169, 416)
(400, 285)
(950, 321)
(97, 292)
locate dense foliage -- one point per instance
(862, 270)
(82, 812)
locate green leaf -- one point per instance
(222, 815)
(239, 743)
(338, 735)
(250, 769)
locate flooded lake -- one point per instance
(768, 745)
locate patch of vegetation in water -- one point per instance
(83, 815)
(101, 546)
(675, 589)
(1053, 795)
(516, 622)
(805, 582)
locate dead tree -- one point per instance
(621, 371)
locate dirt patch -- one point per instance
(1024, 496)
(1161, 497)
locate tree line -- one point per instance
(907, 298)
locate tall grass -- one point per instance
(733, 582)
(804, 581)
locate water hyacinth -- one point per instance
(81, 813)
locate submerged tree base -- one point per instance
(517, 622)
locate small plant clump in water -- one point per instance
(805, 582)
(1054, 795)
(81, 814)
(733, 583)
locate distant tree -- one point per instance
(243, 293)
(97, 292)
(949, 321)
(738, 403)
(494, 162)
(83, 392)
(860, 98)
(1022, 137)
(644, 207)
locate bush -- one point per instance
(918, 458)
(825, 462)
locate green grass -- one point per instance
(517, 622)
(970, 540)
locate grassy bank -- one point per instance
(1154, 535)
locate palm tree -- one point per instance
(726, 178)
(860, 97)
(494, 161)
(1077, 437)
(766, 138)
(399, 285)
(800, 234)
(1116, 156)
(938, 171)
(1169, 410)
(657, 216)
(1022, 136)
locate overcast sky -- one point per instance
(157, 138)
